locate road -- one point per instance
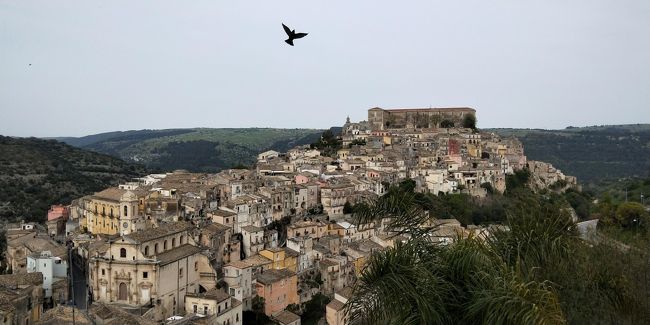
(79, 285)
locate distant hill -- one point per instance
(591, 153)
(35, 173)
(196, 150)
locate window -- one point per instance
(165, 245)
(103, 272)
(180, 272)
(126, 211)
(218, 309)
(122, 252)
(145, 275)
(195, 308)
(103, 210)
(173, 242)
(146, 250)
(196, 266)
(181, 241)
(205, 310)
(155, 248)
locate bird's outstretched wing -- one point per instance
(286, 29)
(300, 35)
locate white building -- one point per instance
(51, 266)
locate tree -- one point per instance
(240, 166)
(469, 121)
(435, 120)
(347, 208)
(537, 272)
(294, 308)
(257, 305)
(488, 187)
(357, 142)
(631, 214)
(446, 124)
(314, 309)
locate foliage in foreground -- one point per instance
(537, 272)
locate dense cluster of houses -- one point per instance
(196, 248)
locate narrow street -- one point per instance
(80, 288)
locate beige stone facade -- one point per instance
(156, 267)
(21, 298)
(114, 211)
(216, 304)
(383, 119)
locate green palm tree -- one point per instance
(422, 282)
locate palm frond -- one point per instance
(400, 286)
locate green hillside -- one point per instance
(198, 150)
(36, 173)
(590, 153)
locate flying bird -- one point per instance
(292, 34)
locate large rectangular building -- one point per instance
(416, 118)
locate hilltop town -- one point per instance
(268, 241)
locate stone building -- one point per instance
(286, 317)
(217, 305)
(156, 267)
(21, 298)
(219, 240)
(383, 119)
(279, 288)
(335, 312)
(53, 268)
(253, 240)
(19, 246)
(114, 211)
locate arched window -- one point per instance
(181, 241)
(126, 211)
(103, 210)
(165, 245)
(111, 212)
(156, 248)
(173, 242)
(146, 250)
(122, 252)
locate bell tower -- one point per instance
(128, 213)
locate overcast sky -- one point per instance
(100, 66)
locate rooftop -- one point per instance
(215, 228)
(162, 231)
(286, 317)
(336, 305)
(215, 294)
(252, 229)
(35, 278)
(63, 315)
(177, 253)
(111, 193)
(272, 276)
(255, 260)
